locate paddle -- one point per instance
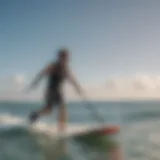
(93, 109)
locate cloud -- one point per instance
(136, 86)
(10, 86)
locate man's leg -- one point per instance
(45, 110)
(62, 118)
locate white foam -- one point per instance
(70, 129)
(7, 120)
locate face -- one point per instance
(64, 58)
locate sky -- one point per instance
(114, 45)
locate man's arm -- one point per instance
(74, 82)
(41, 74)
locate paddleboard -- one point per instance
(102, 138)
(98, 131)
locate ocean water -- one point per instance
(139, 137)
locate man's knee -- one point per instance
(48, 108)
(62, 111)
(62, 107)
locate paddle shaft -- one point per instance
(94, 112)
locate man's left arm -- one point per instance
(74, 82)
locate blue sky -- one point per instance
(106, 37)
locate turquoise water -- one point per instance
(139, 137)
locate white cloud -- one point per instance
(10, 86)
(19, 79)
(137, 86)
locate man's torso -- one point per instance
(57, 77)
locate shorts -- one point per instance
(53, 98)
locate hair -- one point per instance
(63, 51)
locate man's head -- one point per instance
(63, 55)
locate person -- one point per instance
(56, 72)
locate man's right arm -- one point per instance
(45, 71)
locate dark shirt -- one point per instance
(57, 77)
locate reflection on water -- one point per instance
(63, 149)
(53, 148)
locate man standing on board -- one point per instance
(56, 72)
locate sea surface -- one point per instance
(139, 138)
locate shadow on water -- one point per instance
(55, 150)
(95, 147)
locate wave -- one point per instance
(9, 119)
(21, 141)
(142, 115)
(10, 122)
